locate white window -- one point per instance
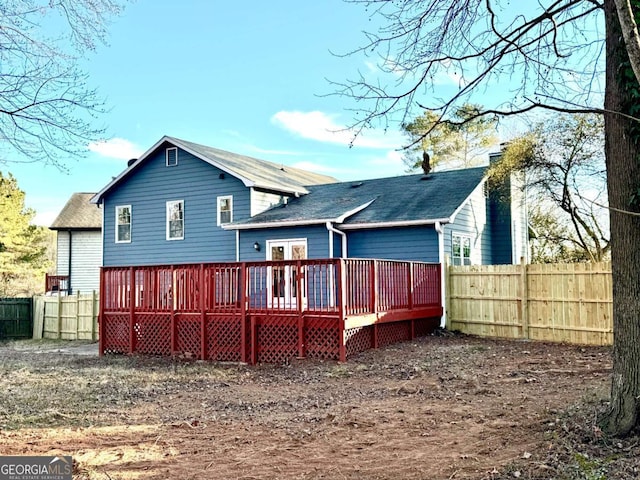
(172, 156)
(460, 249)
(175, 220)
(225, 210)
(123, 224)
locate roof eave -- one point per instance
(97, 198)
(399, 223)
(278, 224)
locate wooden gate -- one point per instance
(16, 319)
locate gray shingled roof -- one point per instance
(401, 199)
(252, 171)
(78, 214)
(261, 173)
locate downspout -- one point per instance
(333, 230)
(443, 266)
(237, 245)
(69, 269)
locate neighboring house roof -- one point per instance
(78, 214)
(401, 200)
(251, 171)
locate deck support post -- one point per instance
(254, 342)
(242, 282)
(101, 317)
(173, 310)
(375, 335)
(341, 275)
(299, 307)
(203, 316)
(132, 307)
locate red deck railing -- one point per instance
(266, 311)
(56, 283)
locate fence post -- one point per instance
(78, 314)
(445, 285)
(93, 316)
(524, 300)
(59, 332)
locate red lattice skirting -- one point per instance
(259, 338)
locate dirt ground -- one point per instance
(440, 407)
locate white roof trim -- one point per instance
(346, 215)
(295, 223)
(176, 142)
(399, 223)
(468, 199)
(285, 223)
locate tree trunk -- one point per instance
(622, 150)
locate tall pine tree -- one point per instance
(22, 245)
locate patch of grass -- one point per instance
(590, 468)
(338, 371)
(43, 390)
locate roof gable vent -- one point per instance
(172, 156)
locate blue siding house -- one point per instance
(181, 202)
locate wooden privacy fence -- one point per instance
(73, 317)
(267, 311)
(15, 318)
(551, 302)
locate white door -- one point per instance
(283, 279)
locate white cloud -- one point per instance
(314, 167)
(322, 127)
(392, 159)
(118, 148)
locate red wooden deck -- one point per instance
(267, 311)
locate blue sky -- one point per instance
(248, 77)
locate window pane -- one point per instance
(175, 220)
(123, 224)
(225, 210)
(175, 228)
(467, 248)
(124, 233)
(456, 247)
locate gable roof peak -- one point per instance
(253, 172)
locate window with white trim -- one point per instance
(460, 249)
(123, 224)
(175, 220)
(172, 156)
(225, 209)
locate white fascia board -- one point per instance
(406, 223)
(296, 223)
(98, 196)
(288, 223)
(466, 200)
(246, 181)
(173, 141)
(177, 143)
